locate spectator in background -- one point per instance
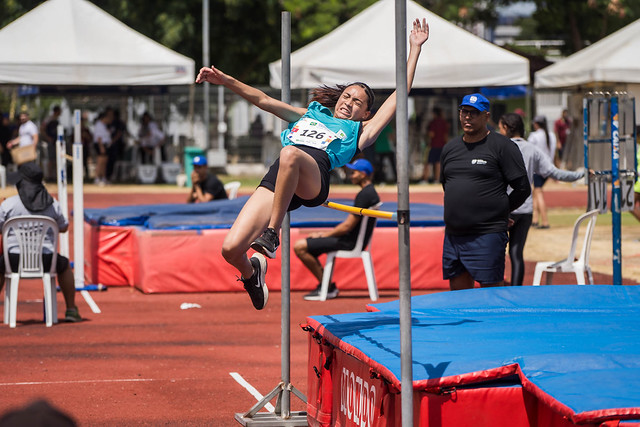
(115, 152)
(535, 161)
(546, 142)
(27, 133)
(205, 186)
(6, 135)
(49, 133)
(438, 133)
(562, 128)
(102, 141)
(87, 140)
(344, 235)
(476, 169)
(150, 137)
(384, 149)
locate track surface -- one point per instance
(145, 361)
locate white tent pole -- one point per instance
(61, 175)
(205, 63)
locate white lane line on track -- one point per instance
(120, 380)
(251, 389)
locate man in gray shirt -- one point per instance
(34, 199)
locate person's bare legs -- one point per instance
(298, 174)
(68, 288)
(540, 207)
(461, 281)
(309, 261)
(250, 223)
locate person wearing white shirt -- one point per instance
(102, 139)
(27, 133)
(545, 141)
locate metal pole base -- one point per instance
(276, 418)
(272, 419)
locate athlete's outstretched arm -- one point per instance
(372, 127)
(255, 96)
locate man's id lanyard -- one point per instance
(313, 133)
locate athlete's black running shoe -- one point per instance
(255, 285)
(267, 244)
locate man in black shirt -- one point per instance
(206, 186)
(344, 235)
(476, 169)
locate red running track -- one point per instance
(145, 362)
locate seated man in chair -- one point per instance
(34, 199)
(344, 235)
(205, 186)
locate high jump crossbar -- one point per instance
(361, 211)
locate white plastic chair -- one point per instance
(359, 251)
(570, 264)
(30, 232)
(232, 189)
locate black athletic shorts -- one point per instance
(322, 245)
(322, 159)
(61, 263)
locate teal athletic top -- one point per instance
(319, 129)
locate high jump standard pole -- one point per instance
(78, 213)
(282, 416)
(61, 178)
(402, 166)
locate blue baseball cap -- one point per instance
(199, 161)
(361, 165)
(477, 101)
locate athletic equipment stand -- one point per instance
(282, 416)
(78, 199)
(610, 152)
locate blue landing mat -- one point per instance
(576, 345)
(222, 213)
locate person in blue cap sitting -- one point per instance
(205, 186)
(341, 237)
(476, 169)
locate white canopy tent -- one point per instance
(363, 49)
(73, 42)
(611, 60)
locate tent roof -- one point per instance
(614, 59)
(73, 42)
(363, 49)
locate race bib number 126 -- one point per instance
(312, 133)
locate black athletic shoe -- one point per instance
(267, 244)
(255, 285)
(314, 295)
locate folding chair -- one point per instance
(30, 232)
(232, 189)
(570, 264)
(360, 250)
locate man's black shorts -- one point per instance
(322, 245)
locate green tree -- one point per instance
(582, 22)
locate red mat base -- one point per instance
(341, 390)
(190, 261)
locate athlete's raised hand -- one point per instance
(420, 32)
(211, 75)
